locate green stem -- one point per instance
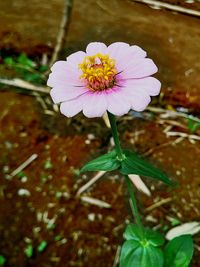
(115, 135)
(128, 182)
(133, 204)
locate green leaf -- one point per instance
(2, 260)
(154, 238)
(42, 246)
(179, 251)
(107, 162)
(25, 61)
(128, 247)
(175, 222)
(32, 77)
(43, 68)
(138, 254)
(133, 232)
(193, 125)
(21, 174)
(29, 251)
(48, 165)
(57, 237)
(9, 61)
(133, 164)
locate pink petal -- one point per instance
(117, 50)
(118, 102)
(64, 77)
(96, 47)
(61, 94)
(140, 104)
(94, 104)
(122, 53)
(139, 68)
(137, 52)
(148, 85)
(60, 66)
(72, 107)
(139, 101)
(76, 58)
(66, 71)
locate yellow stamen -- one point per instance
(98, 71)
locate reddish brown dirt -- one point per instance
(81, 241)
(30, 28)
(88, 234)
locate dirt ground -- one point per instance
(42, 221)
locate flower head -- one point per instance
(114, 78)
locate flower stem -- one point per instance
(115, 135)
(133, 204)
(128, 182)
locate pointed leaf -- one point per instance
(25, 61)
(154, 238)
(107, 162)
(133, 164)
(179, 251)
(137, 254)
(127, 249)
(133, 232)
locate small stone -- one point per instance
(91, 136)
(24, 179)
(66, 195)
(178, 172)
(63, 241)
(8, 144)
(6, 169)
(23, 192)
(91, 217)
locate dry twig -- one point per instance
(158, 5)
(90, 183)
(139, 184)
(158, 204)
(117, 255)
(96, 202)
(23, 165)
(61, 33)
(25, 85)
(184, 135)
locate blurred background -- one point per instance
(48, 217)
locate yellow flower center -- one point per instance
(98, 71)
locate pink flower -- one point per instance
(114, 78)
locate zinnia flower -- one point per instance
(114, 78)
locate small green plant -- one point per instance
(193, 124)
(142, 247)
(2, 260)
(42, 246)
(27, 68)
(48, 164)
(29, 250)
